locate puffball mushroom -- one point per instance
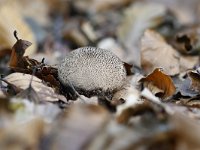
(90, 69)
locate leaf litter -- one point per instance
(157, 107)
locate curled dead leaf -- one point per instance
(159, 84)
(18, 51)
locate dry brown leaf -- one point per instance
(44, 92)
(159, 83)
(157, 53)
(18, 51)
(20, 63)
(45, 72)
(137, 18)
(195, 77)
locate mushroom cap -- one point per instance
(91, 68)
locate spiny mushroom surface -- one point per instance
(91, 68)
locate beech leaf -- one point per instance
(157, 53)
(45, 93)
(18, 51)
(159, 83)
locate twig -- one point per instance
(15, 35)
(33, 73)
(70, 84)
(42, 60)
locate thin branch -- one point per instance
(42, 60)
(70, 84)
(15, 35)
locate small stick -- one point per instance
(15, 35)
(75, 91)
